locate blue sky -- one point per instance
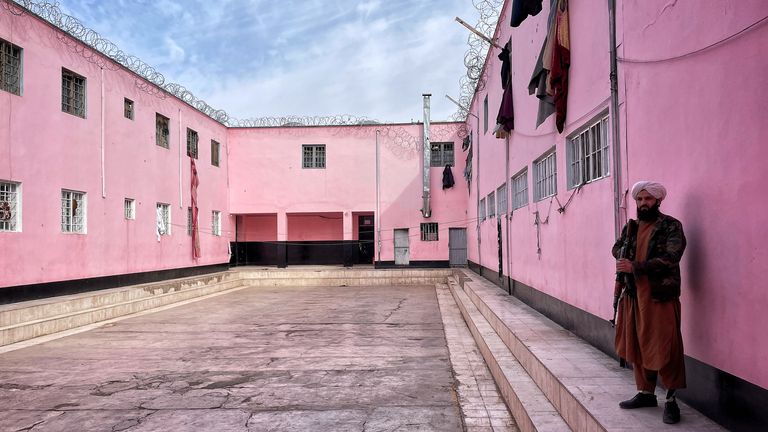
(253, 58)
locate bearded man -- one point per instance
(648, 327)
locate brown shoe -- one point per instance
(641, 400)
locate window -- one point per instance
(429, 231)
(72, 93)
(129, 208)
(545, 177)
(216, 223)
(520, 190)
(215, 148)
(491, 205)
(192, 143)
(442, 154)
(501, 197)
(162, 130)
(588, 154)
(313, 155)
(73, 211)
(481, 210)
(189, 221)
(485, 115)
(10, 206)
(10, 67)
(128, 108)
(163, 219)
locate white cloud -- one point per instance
(176, 53)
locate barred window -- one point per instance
(162, 130)
(442, 154)
(545, 177)
(429, 231)
(588, 154)
(163, 219)
(481, 210)
(192, 139)
(501, 197)
(189, 221)
(215, 149)
(216, 223)
(485, 114)
(491, 204)
(10, 67)
(72, 93)
(10, 206)
(520, 190)
(313, 155)
(128, 108)
(73, 212)
(129, 208)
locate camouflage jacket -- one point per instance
(662, 264)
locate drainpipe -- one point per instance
(615, 132)
(508, 189)
(426, 211)
(103, 172)
(477, 186)
(378, 199)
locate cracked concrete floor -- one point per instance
(258, 359)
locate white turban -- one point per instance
(655, 189)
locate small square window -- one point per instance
(216, 223)
(313, 156)
(501, 199)
(441, 154)
(429, 231)
(162, 130)
(10, 206)
(481, 210)
(128, 108)
(215, 149)
(73, 212)
(10, 67)
(545, 177)
(129, 208)
(192, 139)
(73, 93)
(520, 190)
(491, 204)
(587, 154)
(163, 219)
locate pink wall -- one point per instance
(47, 150)
(348, 184)
(321, 226)
(257, 227)
(694, 124)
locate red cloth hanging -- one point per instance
(195, 234)
(561, 63)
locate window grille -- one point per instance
(545, 177)
(481, 210)
(189, 221)
(10, 67)
(429, 231)
(442, 154)
(491, 204)
(216, 223)
(128, 108)
(73, 211)
(192, 139)
(163, 219)
(10, 206)
(129, 208)
(72, 93)
(215, 149)
(588, 154)
(485, 115)
(313, 155)
(520, 190)
(162, 130)
(501, 198)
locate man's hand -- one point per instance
(624, 266)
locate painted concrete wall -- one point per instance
(314, 227)
(257, 228)
(47, 150)
(266, 175)
(692, 123)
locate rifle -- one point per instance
(627, 279)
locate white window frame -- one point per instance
(545, 176)
(129, 209)
(193, 139)
(429, 231)
(74, 96)
(216, 223)
(10, 206)
(74, 220)
(313, 156)
(520, 190)
(11, 66)
(481, 210)
(491, 200)
(587, 153)
(501, 199)
(162, 135)
(163, 219)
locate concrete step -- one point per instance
(342, 281)
(525, 400)
(75, 314)
(583, 384)
(317, 272)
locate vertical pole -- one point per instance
(103, 109)
(378, 198)
(426, 210)
(615, 125)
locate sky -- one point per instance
(259, 58)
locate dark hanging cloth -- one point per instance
(540, 83)
(522, 8)
(448, 177)
(506, 115)
(466, 143)
(505, 64)
(468, 171)
(561, 63)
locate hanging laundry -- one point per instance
(468, 171)
(540, 83)
(506, 66)
(448, 177)
(466, 142)
(561, 63)
(505, 119)
(521, 9)
(195, 234)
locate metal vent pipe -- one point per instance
(426, 210)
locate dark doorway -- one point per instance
(365, 239)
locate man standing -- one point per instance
(648, 328)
